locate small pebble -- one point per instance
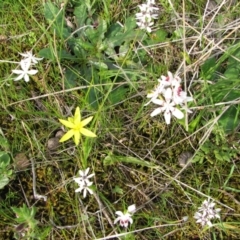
(184, 157)
(59, 134)
(52, 143)
(21, 161)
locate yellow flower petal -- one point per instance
(76, 137)
(86, 121)
(87, 133)
(70, 119)
(77, 116)
(67, 136)
(67, 123)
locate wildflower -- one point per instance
(168, 94)
(202, 219)
(125, 218)
(29, 57)
(206, 212)
(76, 127)
(83, 182)
(146, 15)
(84, 186)
(24, 72)
(152, 9)
(170, 80)
(145, 23)
(167, 106)
(84, 177)
(155, 93)
(163, 83)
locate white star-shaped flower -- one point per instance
(167, 106)
(85, 188)
(24, 72)
(29, 57)
(207, 212)
(83, 182)
(202, 219)
(84, 177)
(145, 23)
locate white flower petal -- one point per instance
(90, 190)
(167, 116)
(84, 192)
(116, 220)
(149, 29)
(79, 189)
(32, 72)
(132, 208)
(119, 213)
(25, 65)
(19, 77)
(218, 210)
(85, 172)
(16, 71)
(91, 175)
(130, 220)
(209, 223)
(158, 101)
(156, 112)
(26, 78)
(168, 94)
(81, 173)
(25, 55)
(177, 113)
(78, 180)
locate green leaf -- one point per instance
(56, 18)
(99, 65)
(160, 35)
(4, 160)
(234, 58)
(232, 72)
(117, 35)
(84, 45)
(5, 173)
(47, 53)
(208, 68)
(113, 30)
(117, 95)
(62, 54)
(130, 24)
(51, 11)
(195, 122)
(93, 97)
(71, 77)
(81, 14)
(4, 143)
(230, 120)
(4, 180)
(118, 190)
(95, 35)
(157, 37)
(25, 215)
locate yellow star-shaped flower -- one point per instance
(77, 127)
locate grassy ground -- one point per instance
(135, 158)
